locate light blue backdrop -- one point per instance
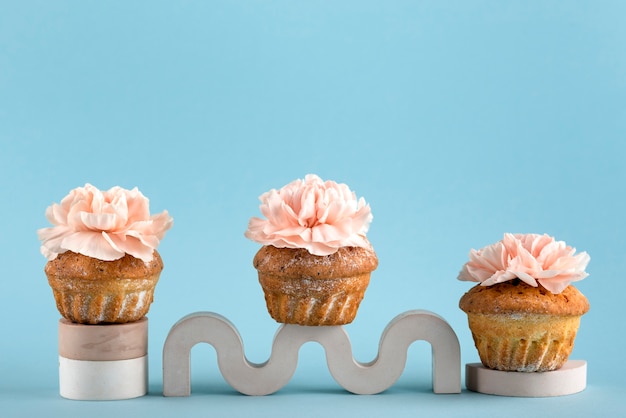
(456, 120)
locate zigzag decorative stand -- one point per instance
(270, 376)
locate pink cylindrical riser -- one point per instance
(103, 342)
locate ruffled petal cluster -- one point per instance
(531, 258)
(320, 216)
(103, 224)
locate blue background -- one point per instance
(456, 120)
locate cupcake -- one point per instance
(524, 314)
(315, 263)
(103, 264)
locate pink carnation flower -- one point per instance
(103, 225)
(531, 258)
(313, 214)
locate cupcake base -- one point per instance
(314, 302)
(569, 379)
(106, 301)
(523, 342)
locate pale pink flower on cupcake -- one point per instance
(320, 216)
(103, 224)
(534, 259)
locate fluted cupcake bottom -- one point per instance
(104, 301)
(313, 302)
(523, 342)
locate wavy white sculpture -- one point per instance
(270, 376)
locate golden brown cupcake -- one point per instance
(517, 327)
(305, 289)
(102, 260)
(524, 315)
(316, 262)
(92, 291)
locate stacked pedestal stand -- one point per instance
(103, 362)
(110, 362)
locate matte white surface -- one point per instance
(569, 379)
(103, 380)
(268, 377)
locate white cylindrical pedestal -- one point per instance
(103, 380)
(569, 379)
(103, 362)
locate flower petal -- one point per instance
(91, 244)
(131, 245)
(99, 221)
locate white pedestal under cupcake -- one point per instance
(103, 362)
(569, 379)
